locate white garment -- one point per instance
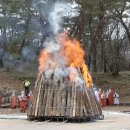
(96, 95)
(20, 97)
(106, 94)
(102, 95)
(116, 99)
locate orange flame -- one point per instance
(73, 54)
(86, 75)
(45, 61)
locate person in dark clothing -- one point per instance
(26, 87)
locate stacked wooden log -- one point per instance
(62, 98)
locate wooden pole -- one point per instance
(36, 110)
(74, 106)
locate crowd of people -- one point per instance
(107, 98)
(21, 101)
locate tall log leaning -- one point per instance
(62, 99)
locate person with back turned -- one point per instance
(13, 101)
(110, 98)
(26, 86)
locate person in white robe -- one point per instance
(116, 98)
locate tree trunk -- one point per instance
(1, 63)
(105, 65)
(127, 29)
(103, 57)
(89, 61)
(25, 35)
(114, 69)
(27, 22)
(94, 58)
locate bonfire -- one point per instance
(64, 87)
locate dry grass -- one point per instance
(14, 79)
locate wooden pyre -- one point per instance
(62, 99)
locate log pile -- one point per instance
(62, 98)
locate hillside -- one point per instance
(121, 84)
(13, 80)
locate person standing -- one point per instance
(30, 97)
(19, 98)
(96, 94)
(110, 98)
(13, 101)
(107, 93)
(103, 99)
(26, 87)
(116, 99)
(99, 95)
(0, 100)
(23, 102)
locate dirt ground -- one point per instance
(117, 108)
(108, 108)
(113, 121)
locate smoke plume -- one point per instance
(59, 11)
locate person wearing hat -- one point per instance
(26, 86)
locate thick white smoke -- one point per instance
(59, 11)
(51, 45)
(58, 73)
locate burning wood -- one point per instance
(66, 52)
(61, 91)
